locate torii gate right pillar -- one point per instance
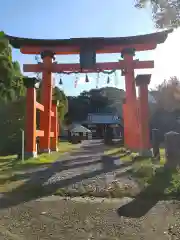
(130, 107)
(142, 82)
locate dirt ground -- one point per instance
(79, 218)
(25, 216)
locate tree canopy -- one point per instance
(101, 100)
(166, 13)
(11, 78)
(58, 95)
(167, 95)
(166, 110)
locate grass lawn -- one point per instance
(153, 178)
(12, 163)
(45, 158)
(10, 166)
(120, 152)
(114, 150)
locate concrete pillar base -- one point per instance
(145, 153)
(55, 150)
(136, 150)
(45, 151)
(30, 155)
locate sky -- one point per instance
(61, 19)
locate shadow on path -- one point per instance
(58, 166)
(149, 197)
(33, 189)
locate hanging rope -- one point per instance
(98, 71)
(108, 72)
(97, 80)
(86, 78)
(108, 80)
(76, 81)
(38, 74)
(60, 81)
(115, 79)
(53, 82)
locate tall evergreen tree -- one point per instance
(11, 78)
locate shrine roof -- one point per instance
(158, 37)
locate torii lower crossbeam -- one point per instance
(72, 67)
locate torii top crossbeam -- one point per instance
(99, 44)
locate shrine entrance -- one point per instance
(135, 111)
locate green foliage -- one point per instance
(2, 34)
(11, 122)
(174, 188)
(168, 94)
(59, 95)
(166, 13)
(156, 180)
(103, 100)
(11, 84)
(143, 171)
(12, 103)
(166, 110)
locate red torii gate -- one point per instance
(31, 129)
(135, 111)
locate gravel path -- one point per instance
(86, 170)
(54, 218)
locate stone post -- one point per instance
(155, 144)
(54, 126)
(172, 149)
